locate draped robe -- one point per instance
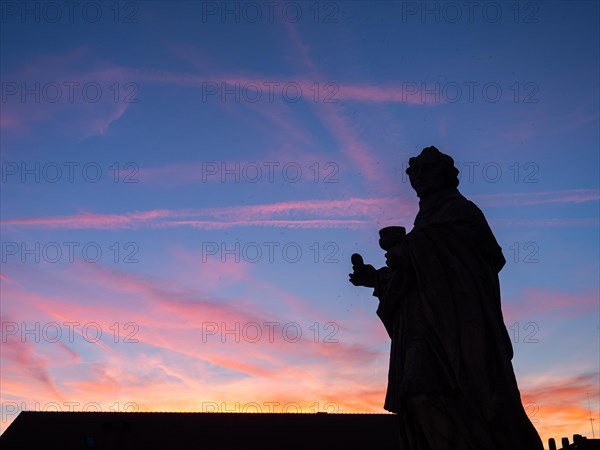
(451, 379)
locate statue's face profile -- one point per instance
(426, 177)
(431, 171)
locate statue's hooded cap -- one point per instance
(444, 163)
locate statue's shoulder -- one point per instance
(466, 206)
(460, 208)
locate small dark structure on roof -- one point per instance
(579, 443)
(175, 431)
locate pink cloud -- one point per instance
(538, 198)
(327, 92)
(171, 353)
(92, 220)
(171, 318)
(5, 278)
(352, 213)
(338, 125)
(9, 121)
(156, 305)
(542, 302)
(545, 222)
(33, 367)
(58, 82)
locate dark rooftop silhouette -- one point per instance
(579, 443)
(175, 431)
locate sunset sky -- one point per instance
(183, 183)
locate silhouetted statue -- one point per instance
(451, 379)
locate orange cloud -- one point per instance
(559, 407)
(173, 324)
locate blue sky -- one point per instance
(131, 122)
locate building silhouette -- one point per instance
(579, 443)
(175, 431)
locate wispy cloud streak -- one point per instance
(538, 198)
(352, 213)
(355, 212)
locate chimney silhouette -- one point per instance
(551, 444)
(565, 442)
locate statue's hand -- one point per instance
(363, 275)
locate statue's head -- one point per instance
(431, 171)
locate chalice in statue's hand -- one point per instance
(390, 236)
(390, 239)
